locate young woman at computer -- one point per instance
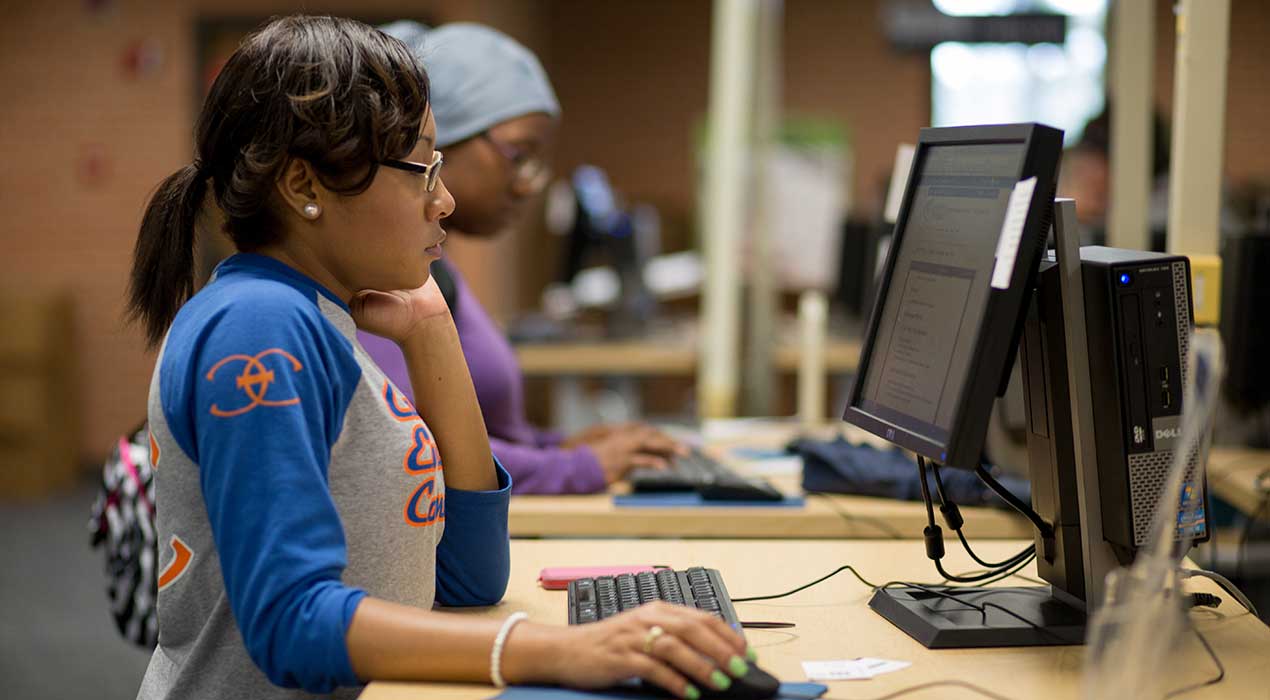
(496, 115)
(309, 514)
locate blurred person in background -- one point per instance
(497, 115)
(1086, 178)
(297, 555)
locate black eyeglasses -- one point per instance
(531, 170)
(432, 171)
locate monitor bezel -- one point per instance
(1002, 324)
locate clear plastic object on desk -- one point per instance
(1142, 621)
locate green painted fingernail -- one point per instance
(720, 681)
(691, 692)
(738, 667)
(751, 654)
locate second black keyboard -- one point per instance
(593, 599)
(699, 472)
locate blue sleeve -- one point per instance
(272, 388)
(474, 555)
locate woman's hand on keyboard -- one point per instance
(694, 649)
(634, 446)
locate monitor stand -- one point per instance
(976, 617)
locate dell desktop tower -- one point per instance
(1138, 317)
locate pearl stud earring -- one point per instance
(312, 210)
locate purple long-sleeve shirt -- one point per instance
(534, 458)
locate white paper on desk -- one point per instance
(851, 669)
(877, 667)
(1012, 232)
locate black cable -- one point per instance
(804, 587)
(953, 516)
(873, 586)
(975, 578)
(935, 551)
(934, 537)
(930, 509)
(1221, 670)
(1022, 554)
(1014, 572)
(1226, 585)
(1203, 600)
(1046, 530)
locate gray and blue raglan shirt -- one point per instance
(293, 479)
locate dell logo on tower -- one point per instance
(1167, 433)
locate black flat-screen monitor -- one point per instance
(950, 306)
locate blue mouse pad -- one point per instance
(691, 499)
(791, 691)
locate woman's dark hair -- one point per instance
(337, 93)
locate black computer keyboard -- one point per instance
(701, 473)
(592, 599)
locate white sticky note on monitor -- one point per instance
(899, 178)
(1012, 232)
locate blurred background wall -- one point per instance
(99, 97)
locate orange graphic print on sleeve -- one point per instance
(254, 381)
(182, 557)
(154, 451)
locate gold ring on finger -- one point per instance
(649, 639)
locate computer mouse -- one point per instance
(757, 684)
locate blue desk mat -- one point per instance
(788, 691)
(691, 499)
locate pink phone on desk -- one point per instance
(555, 578)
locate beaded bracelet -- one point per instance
(496, 654)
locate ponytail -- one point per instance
(163, 260)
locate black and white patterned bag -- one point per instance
(122, 523)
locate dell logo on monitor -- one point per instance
(890, 433)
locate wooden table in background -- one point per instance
(1232, 475)
(655, 356)
(821, 516)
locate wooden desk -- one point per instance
(822, 516)
(1232, 475)
(655, 356)
(834, 622)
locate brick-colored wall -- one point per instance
(632, 77)
(68, 107)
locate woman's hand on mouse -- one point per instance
(677, 648)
